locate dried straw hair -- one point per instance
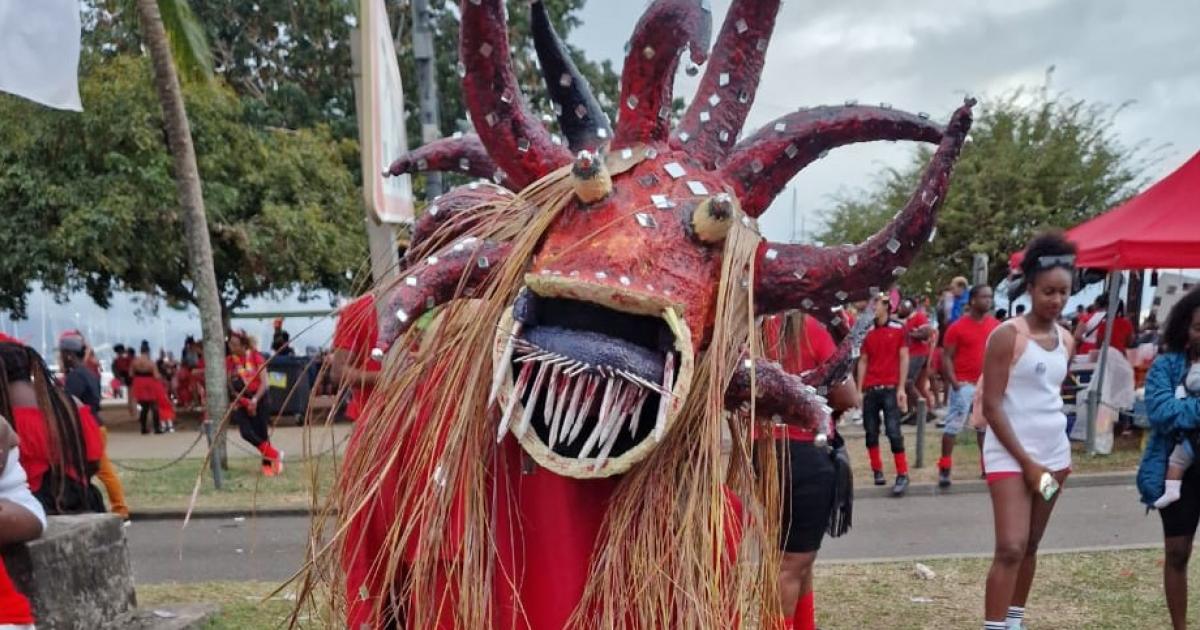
(664, 559)
(666, 566)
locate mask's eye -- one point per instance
(592, 180)
(712, 218)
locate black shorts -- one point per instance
(807, 491)
(1181, 517)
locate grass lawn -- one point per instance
(1125, 456)
(242, 605)
(1119, 589)
(245, 487)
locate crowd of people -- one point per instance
(998, 377)
(1001, 377)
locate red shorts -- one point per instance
(1008, 474)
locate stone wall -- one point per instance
(77, 574)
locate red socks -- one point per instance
(268, 451)
(876, 460)
(944, 463)
(806, 614)
(901, 460)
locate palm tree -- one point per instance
(187, 47)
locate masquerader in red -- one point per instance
(355, 345)
(561, 439)
(812, 483)
(244, 366)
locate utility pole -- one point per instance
(427, 95)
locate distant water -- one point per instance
(130, 319)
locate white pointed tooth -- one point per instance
(618, 411)
(562, 389)
(608, 446)
(572, 408)
(502, 367)
(660, 423)
(588, 398)
(532, 356)
(612, 388)
(637, 412)
(517, 391)
(563, 395)
(551, 394)
(531, 403)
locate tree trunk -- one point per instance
(191, 202)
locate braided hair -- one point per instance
(65, 445)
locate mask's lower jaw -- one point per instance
(597, 388)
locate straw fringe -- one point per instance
(661, 559)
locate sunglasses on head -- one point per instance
(1063, 260)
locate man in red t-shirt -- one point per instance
(882, 373)
(920, 333)
(799, 343)
(354, 339)
(1089, 334)
(962, 364)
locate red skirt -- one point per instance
(145, 389)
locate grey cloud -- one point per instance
(924, 55)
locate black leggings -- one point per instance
(149, 407)
(253, 427)
(881, 401)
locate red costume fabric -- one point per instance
(247, 367)
(806, 351)
(14, 607)
(357, 332)
(35, 452)
(145, 388)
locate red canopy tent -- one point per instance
(1160, 228)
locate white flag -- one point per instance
(39, 51)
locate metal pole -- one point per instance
(427, 96)
(1114, 285)
(922, 414)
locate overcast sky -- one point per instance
(918, 55)
(925, 55)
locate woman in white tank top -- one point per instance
(1024, 367)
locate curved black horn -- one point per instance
(580, 117)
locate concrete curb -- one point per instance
(979, 486)
(171, 514)
(987, 554)
(974, 486)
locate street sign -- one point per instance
(381, 118)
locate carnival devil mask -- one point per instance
(598, 352)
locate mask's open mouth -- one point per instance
(596, 387)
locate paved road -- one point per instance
(217, 549)
(271, 548)
(1107, 516)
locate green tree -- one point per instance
(283, 210)
(290, 61)
(1034, 161)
